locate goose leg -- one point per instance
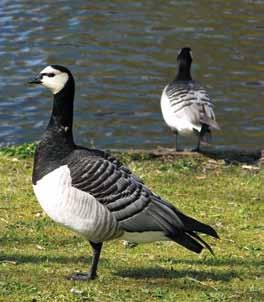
(197, 149)
(91, 274)
(177, 149)
(96, 256)
(198, 144)
(176, 142)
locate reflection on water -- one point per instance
(122, 54)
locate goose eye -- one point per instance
(50, 75)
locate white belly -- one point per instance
(73, 208)
(144, 237)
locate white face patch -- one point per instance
(53, 79)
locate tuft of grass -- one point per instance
(36, 253)
(22, 151)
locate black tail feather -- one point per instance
(187, 241)
(194, 225)
(181, 228)
(203, 242)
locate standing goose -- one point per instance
(92, 193)
(185, 105)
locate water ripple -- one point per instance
(122, 54)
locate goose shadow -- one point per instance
(232, 261)
(233, 156)
(162, 273)
(233, 271)
(37, 259)
(228, 155)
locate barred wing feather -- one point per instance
(191, 102)
(134, 206)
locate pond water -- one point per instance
(122, 54)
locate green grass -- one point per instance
(36, 254)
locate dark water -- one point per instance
(122, 53)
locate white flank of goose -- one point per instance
(92, 193)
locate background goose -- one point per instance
(185, 105)
(92, 193)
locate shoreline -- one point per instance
(228, 155)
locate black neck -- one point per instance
(60, 124)
(184, 71)
(57, 142)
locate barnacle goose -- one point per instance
(185, 105)
(92, 193)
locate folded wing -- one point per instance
(191, 102)
(134, 206)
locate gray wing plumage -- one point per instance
(191, 101)
(133, 205)
(114, 186)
